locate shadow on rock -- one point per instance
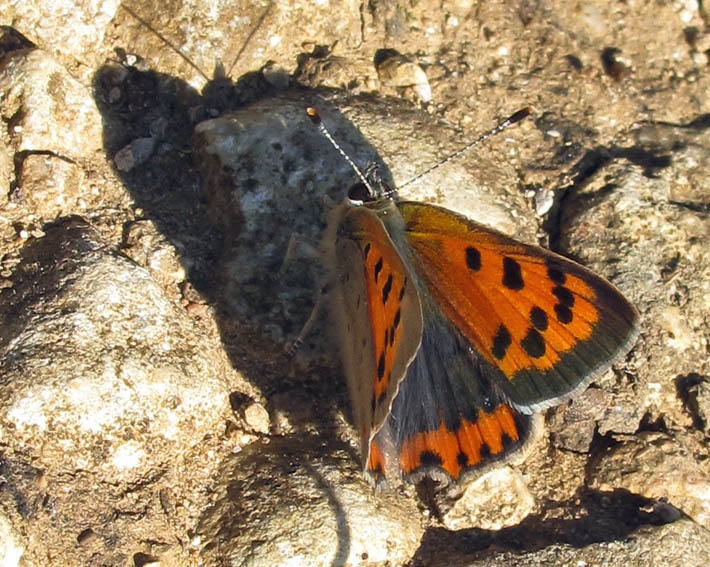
(601, 517)
(228, 222)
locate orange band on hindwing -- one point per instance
(467, 447)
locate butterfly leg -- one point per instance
(298, 246)
(295, 345)
(303, 247)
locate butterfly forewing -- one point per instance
(545, 325)
(379, 319)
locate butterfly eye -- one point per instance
(360, 192)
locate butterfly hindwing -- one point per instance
(545, 325)
(447, 420)
(380, 322)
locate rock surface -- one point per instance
(149, 415)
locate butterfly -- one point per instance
(453, 335)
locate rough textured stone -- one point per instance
(659, 260)
(73, 29)
(492, 502)
(573, 425)
(302, 501)
(234, 38)
(11, 549)
(398, 72)
(656, 466)
(106, 388)
(146, 246)
(6, 173)
(49, 186)
(49, 110)
(52, 162)
(699, 402)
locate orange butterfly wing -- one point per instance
(447, 419)
(548, 325)
(379, 320)
(489, 437)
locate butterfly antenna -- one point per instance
(316, 119)
(189, 61)
(512, 119)
(251, 34)
(165, 40)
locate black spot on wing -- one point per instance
(401, 291)
(430, 459)
(378, 269)
(501, 342)
(387, 289)
(538, 318)
(381, 366)
(506, 439)
(533, 344)
(473, 258)
(555, 272)
(563, 313)
(377, 471)
(563, 309)
(563, 295)
(512, 276)
(381, 398)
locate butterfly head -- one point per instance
(370, 188)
